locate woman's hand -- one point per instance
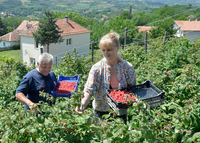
(84, 103)
(78, 110)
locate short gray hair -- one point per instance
(45, 57)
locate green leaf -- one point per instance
(108, 134)
(39, 140)
(21, 131)
(106, 116)
(40, 119)
(196, 135)
(187, 120)
(165, 115)
(157, 121)
(107, 141)
(33, 130)
(54, 119)
(189, 140)
(172, 92)
(172, 107)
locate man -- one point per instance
(39, 79)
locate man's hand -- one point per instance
(32, 106)
(21, 97)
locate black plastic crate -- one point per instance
(119, 111)
(146, 91)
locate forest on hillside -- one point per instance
(36, 8)
(172, 2)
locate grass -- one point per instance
(16, 54)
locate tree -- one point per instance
(166, 5)
(140, 18)
(130, 12)
(3, 29)
(124, 15)
(12, 22)
(47, 32)
(162, 27)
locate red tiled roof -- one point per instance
(25, 23)
(29, 31)
(10, 37)
(144, 28)
(14, 35)
(189, 25)
(68, 28)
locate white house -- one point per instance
(9, 39)
(74, 35)
(189, 28)
(12, 38)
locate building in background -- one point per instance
(12, 38)
(144, 28)
(75, 37)
(9, 39)
(191, 29)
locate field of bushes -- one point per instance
(173, 67)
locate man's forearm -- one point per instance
(22, 98)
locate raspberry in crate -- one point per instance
(124, 96)
(65, 86)
(147, 91)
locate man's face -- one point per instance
(44, 68)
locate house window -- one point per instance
(25, 52)
(36, 44)
(32, 61)
(4, 44)
(68, 41)
(41, 50)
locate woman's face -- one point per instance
(110, 53)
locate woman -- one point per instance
(111, 72)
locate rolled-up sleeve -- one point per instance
(93, 82)
(24, 86)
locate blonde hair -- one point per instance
(109, 40)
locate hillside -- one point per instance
(172, 2)
(37, 7)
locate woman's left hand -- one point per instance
(78, 110)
